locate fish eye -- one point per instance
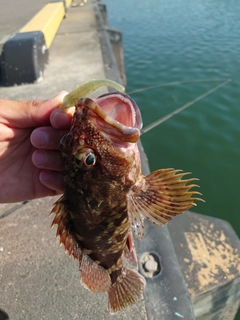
(85, 158)
(90, 160)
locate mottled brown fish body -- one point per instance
(105, 195)
(96, 199)
(101, 234)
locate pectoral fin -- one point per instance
(160, 196)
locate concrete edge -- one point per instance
(109, 60)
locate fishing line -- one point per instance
(175, 83)
(18, 206)
(170, 115)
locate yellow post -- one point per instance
(47, 21)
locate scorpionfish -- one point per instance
(106, 195)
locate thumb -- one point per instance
(33, 113)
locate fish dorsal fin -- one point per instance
(66, 238)
(158, 197)
(127, 290)
(93, 276)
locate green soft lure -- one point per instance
(84, 89)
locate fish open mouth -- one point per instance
(117, 116)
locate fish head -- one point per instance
(102, 142)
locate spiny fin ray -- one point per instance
(159, 197)
(129, 251)
(63, 232)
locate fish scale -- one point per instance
(106, 195)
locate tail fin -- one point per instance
(127, 289)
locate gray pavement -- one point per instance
(37, 280)
(14, 14)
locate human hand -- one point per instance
(30, 161)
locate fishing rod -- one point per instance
(185, 106)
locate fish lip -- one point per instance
(124, 132)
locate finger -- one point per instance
(61, 118)
(33, 113)
(52, 179)
(41, 115)
(51, 160)
(47, 138)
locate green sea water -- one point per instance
(179, 41)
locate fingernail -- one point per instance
(39, 138)
(58, 99)
(44, 176)
(39, 158)
(60, 119)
